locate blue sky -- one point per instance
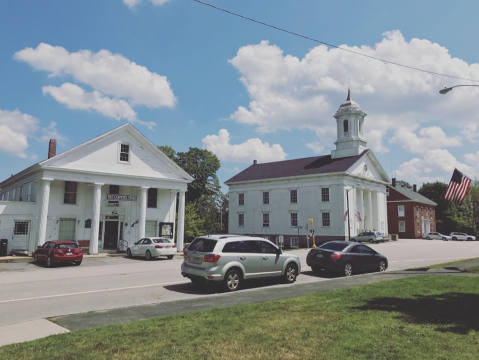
(187, 75)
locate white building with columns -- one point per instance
(279, 198)
(110, 191)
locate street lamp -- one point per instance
(446, 90)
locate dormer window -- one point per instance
(125, 153)
(346, 127)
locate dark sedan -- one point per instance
(345, 257)
(54, 252)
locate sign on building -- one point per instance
(118, 197)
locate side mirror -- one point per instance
(39, 247)
(278, 251)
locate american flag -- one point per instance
(358, 215)
(457, 189)
(345, 216)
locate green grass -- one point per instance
(472, 270)
(423, 317)
(444, 264)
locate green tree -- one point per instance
(194, 224)
(168, 151)
(403, 183)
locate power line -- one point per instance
(331, 45)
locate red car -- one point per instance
(60, 251)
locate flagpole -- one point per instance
(347, 204)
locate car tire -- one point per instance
(197, 282)
(454, 238)
(444, 239)
(77, 263)
(353, 240)
(232, 281)
(49, 261)
(316, 269)
(348, 269)
(382, 266)
(290, 273)
(148, 255)
(170, 257)
(35, 257)
(128, 253)
(428, 238)
(371, 241)
(469, 239)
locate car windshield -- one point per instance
(334, 246)
(202, 245)
(160, 241)
(67, 246)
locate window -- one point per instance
(387, 191)
(100, 231)
(114, 190)
(346, 127)
(294, 242)
(70, 193)
(14, 193)
(152, 197)
(402, 226)
(334, 246)
(293, 195)
(240, 219)
(125, 153)
(418, 227)
(150, 228)
(417, 211)
(265, 197)
(231, 247)
(241, 199)
(121, 230)
(326, 219)
(365, 250)
(202, 245)
(3, 197)
(21, 228)
(325, 194)
(400, 210)
(21, 193)
(360, 128)
(294, 219)
(266, 247)
(265, 220)
(67, 229)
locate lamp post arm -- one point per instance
(446, 90)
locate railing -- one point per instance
(122, 245)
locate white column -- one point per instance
(379, 213)
(181, 221)
(370, 211)
(375, 208)
(361, 208)
(352, 211)
(42, 218)
(173, 196)
(142, 220)
(385, 214)
(95, 218)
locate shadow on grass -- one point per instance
(450, 312)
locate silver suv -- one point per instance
(230, 259)
(371, 236)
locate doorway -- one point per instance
(111, 235)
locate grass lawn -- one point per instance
(423, 317)
(444, 264)
(473, 270)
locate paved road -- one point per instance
(31, 291)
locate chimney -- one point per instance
(414, 188)
(255, 162)
(394, 182)
(52, 148)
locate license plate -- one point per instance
(319, 255)
(167, 247)
(196, 260)
(69, 253)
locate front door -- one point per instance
(111, 235)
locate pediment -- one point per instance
(368, 167)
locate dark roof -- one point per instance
(413, 195)
(297, 167)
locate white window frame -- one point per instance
(401, 211)
(65, 192)
(402, 224)
(387, 191)
(291, 197)
(325, 195)
(241, 199)
(323, 219)
(265, 192)
(263, 216)
(150, 223)
(294, 242)
(240, 215)
(292, 220)
(119, 152)
(72, 229)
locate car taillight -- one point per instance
(58, 251)
(174, 246)
(211, 258)
(158, 247)
(185, 256)
(335, 255)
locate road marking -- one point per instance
(93, 291)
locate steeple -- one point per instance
(350, 133)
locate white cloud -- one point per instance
(430, 138)
(288, 92)
(15, 130)
(74, 97)
(253, 149)
(316, 147)
(111, 74)
(132, 3)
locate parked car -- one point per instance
(345, 257)
(231, 259)
(437, 236)
(152, 247)
(371, 236)
(60, 251)
(462, 236)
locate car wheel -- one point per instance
(444, 239)
(77, 263)
(428, 238)
(371, 241)
(353, 240)
(232, 280)
(170, 257)
(148, 255)
(348, 269)
(469, 239)
(316, 269)
(128, 253)
(454, 238)
(49, 261)
(382, 266)
(197, 282)
(290, 273)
